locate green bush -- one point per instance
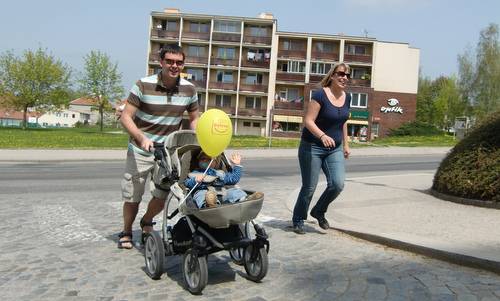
(415, 128)
(472, 168)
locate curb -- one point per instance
(464, 201)
(460, 259)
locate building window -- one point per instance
(198, 27)
(359, 100)
(196, 51)
(320, 68)
(227, 26)
(225, 53)
(73, 116)
(252, 102)
(201, 99)
(256, 125)
(258, 31)
(65, 115)
(289, 94)
(253, 79)
(323, 47)
(196, 74)
(359, 73)
(292, 66)
(247, 124)
(355, 49)
(292, 45)
(224, 76)
(258, 55)
(223, 101)
(169, 25)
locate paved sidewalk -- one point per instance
(393, 210)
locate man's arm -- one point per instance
(136, 134)
(193, 119)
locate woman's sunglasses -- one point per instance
(342, 74)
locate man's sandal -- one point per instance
(125, 241)
(143, 224)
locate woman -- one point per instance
(323, 145)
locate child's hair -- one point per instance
(217, 160)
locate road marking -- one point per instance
(62, 224)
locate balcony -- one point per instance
(288, 105)
(196, 59)
(160, 33)
(226, 37)
(257, 40)
(253, 88)
(290, 77)
(251, 112)
(359, 82)
(154, 57)
(222, 86)
(224, 62)
(228, 110)
(315, 78)
(255, 64)
(205, 36)
(199, 83)
(361, 58)
(319, 55)
(301, 54)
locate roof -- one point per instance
(17, 115)
(84, 101)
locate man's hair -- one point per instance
(171, 48)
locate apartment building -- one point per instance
(263, 78)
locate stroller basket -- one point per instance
(225, 215)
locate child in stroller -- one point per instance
(196, 232)
(212, 186)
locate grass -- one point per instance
(112, 138)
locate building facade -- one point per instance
(263, 78)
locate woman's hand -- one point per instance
(327, 141)
(347, 151)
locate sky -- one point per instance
(69, 30)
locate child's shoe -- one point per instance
(255, 196)
(211, 199)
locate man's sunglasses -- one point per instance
(342, 74)
(172, 62)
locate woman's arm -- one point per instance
(347, 149)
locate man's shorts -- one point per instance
(138, 169)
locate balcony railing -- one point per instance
(255, 64)
(359, 82)
(315, 78)
(160, 33)
(257, 40)
(251, 112)
(226, 36)
(292, 53)
(253, 88)
(362, 58)
(222, 86)
(325, 55)
(154, 57)
(224, 62)
(196, 59)
(228, 110)
(288, 105)
(290, 77)
(196, 35)
(199, 83)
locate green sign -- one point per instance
(359, 114)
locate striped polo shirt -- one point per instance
(159, 110)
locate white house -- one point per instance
(62, 118)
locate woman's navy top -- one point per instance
(330, 118)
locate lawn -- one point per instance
(92, 138)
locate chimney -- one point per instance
(170, 10)
(266, 16)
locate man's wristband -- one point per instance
(321, 136)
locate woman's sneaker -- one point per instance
(322, 222)
(299, 229)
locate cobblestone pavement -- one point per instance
(62, 246)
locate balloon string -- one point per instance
(196, 185)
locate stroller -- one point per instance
(195, 233)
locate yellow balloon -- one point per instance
(214, 131)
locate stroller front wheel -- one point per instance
(256, 263)
(154, 255)
(195, 271)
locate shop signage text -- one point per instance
(393, 107)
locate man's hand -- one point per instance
(236, 158)
(119, 110)
(146, 144)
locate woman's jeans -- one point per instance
(311, 158)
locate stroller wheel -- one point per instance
(195, 272)
(256, 263)
(237, 255)
(154, 255)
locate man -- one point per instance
(154, 109)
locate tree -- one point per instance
(37, 81)
(101, 81)
(424, 100)
(448, 102)
(479, 76)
